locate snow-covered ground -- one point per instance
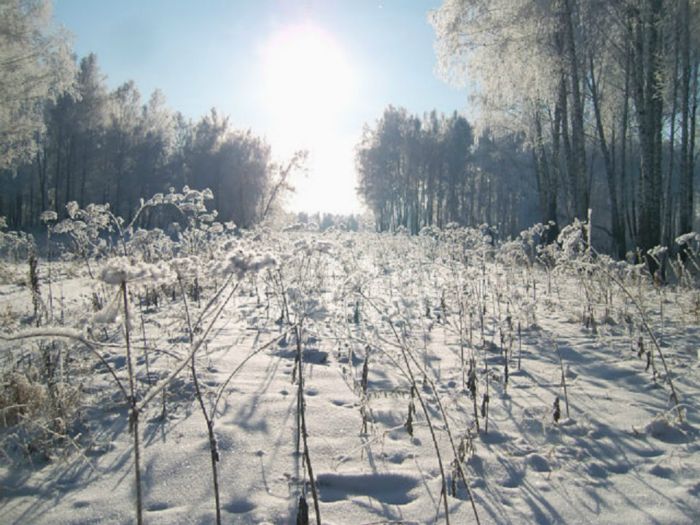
(388, 325)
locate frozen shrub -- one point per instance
(153, 245)
(20, 397)
(241, 262)
(572, 240)
(15, 245)
(41, 416)
(48, 216)
(123, 269)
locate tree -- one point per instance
(90, 120)
(522, 91)
(279, 182)
(121, 137)
(578, 76)
(643, 26)
(111, 147)
(417, 172)
(35, 67)
(689, 65)
(154, 145)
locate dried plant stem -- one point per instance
(283, 293)
(213, 448)
(461, 341)
(145, 349)
(48, 265)
(241, 365)
(302, 422)
(487, 398)
(424, 408)
(61, 333)
(443, 413)
(134, 411)
(647, 328)
(563, 379)
(520, 345)
(213, 300)
(153, 392)
(408, 373)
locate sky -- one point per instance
(305, 74)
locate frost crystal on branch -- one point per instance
(123, 269)
(241, 262)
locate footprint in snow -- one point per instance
(157, 506)
(239, 506)
(538, 463)
(661, 472)
(596, 470)
(388, 488)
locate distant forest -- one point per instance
(64, 136)
(431, 171)
(580, 105)
(102, 146)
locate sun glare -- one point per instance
(308, 85)
(308, 79)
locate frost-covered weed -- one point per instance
(460, 291)
(687, 263)
(241, 262)
(119, 270)
(153, 245)
(88, 230)
(14, 245)
(93, 231)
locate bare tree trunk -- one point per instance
(693, 127)
(69, 167)
(41, 168)
(546, 181)
(568, 153)
(578, 144)
(685, 208)
(57, 174)
(627, 195)
(618, 229)
(667, 204)
(648, 102)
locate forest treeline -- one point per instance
(72, 139)
(606, 95)
(423, 171)
(582, 104)
(579, 104)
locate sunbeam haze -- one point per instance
(304, 74)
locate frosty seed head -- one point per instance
(48, 216)
(241, 262)
(72, 209)
(687, 239)
(123, 269)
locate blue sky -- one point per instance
(211, 53)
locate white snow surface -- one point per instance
(620, 456)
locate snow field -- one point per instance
(620, 456)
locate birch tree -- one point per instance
(35, 66)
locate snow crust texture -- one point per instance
(538, 374)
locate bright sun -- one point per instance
(308, 81)
(308, 87)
